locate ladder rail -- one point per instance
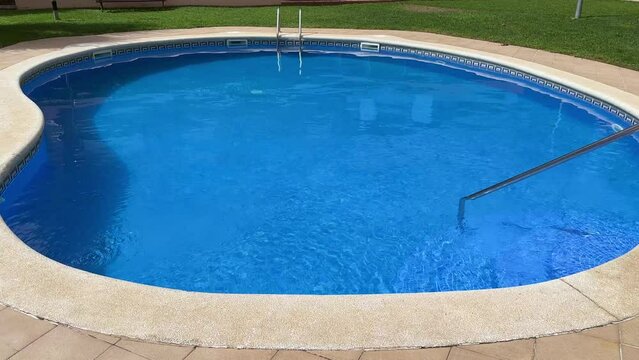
(277, 26)
(299, 34)
(536, 170)
(299, 26)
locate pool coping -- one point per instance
(37, 285)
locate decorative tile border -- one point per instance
(509, 73)
(5, 182)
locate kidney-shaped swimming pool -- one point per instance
(329, 173)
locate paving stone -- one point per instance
(108, 338)
(461, 354)
(339, 355)
(18, 330)
(155, 351)
(418, 354)
(6, 351)
(609, 333)
(116, 353)
(63, 343)
(230, 354)
(629, 352)
(630, 332)
(295, 355)
(510, 350)
(575, 347)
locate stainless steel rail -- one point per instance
(550, 164)
(299, 34)
(299, 26)
(277, 27)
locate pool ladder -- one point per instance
(278, 27)
(277, 38)
(536, 170)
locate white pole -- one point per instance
(300, 38)
(300, 24)
(580, 4)
(277, 26)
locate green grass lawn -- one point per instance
(608, 30)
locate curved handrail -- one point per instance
(545, 166)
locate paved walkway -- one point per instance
(24, 337)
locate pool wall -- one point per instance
(102, 56)
(40, 286)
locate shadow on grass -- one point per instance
(611, 16)
(130, 7)
(16, 33)
(146, 9)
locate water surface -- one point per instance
(219, 173)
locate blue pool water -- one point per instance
(219, 173)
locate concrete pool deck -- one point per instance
(36, 285)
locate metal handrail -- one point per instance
(277, 27)
(299, 34)
(550, 164)
(299, 26)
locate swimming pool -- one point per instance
(339, 174)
